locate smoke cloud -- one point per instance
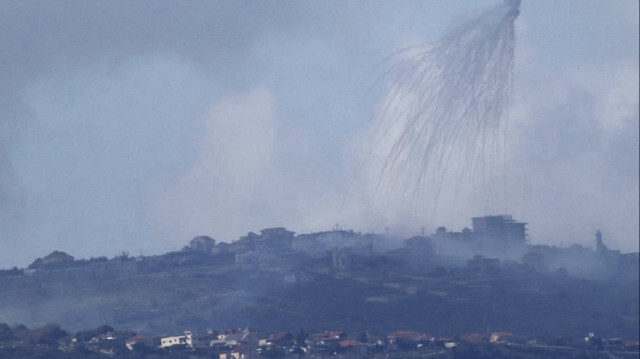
(220, 191)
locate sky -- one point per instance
(135, 126)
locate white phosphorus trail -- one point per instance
(440, 125)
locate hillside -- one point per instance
(292, 290)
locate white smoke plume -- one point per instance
(438, 139)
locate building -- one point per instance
(503, 338)
(274, 240)
(534, 262)
(499, 231)
(420, 246)
(171, 341)
(138, 340)
(281, 339)
(407, 335)
(600, 247)
(483, 265)
(326, 341)
(202, 244)
(199, 340)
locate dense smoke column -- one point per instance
(439, 123)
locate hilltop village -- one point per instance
(494, 243)
(484, 285)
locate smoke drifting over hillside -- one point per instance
(135, 126)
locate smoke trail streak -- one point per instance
(440, 121)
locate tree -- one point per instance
(21, 332)
(86, 335)
(49, 334)
(5, 332)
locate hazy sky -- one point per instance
(136, 126)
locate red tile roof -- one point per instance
(408, 335)
(350, 343)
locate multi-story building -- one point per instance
(500, 231)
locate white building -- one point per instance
(171, 341)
